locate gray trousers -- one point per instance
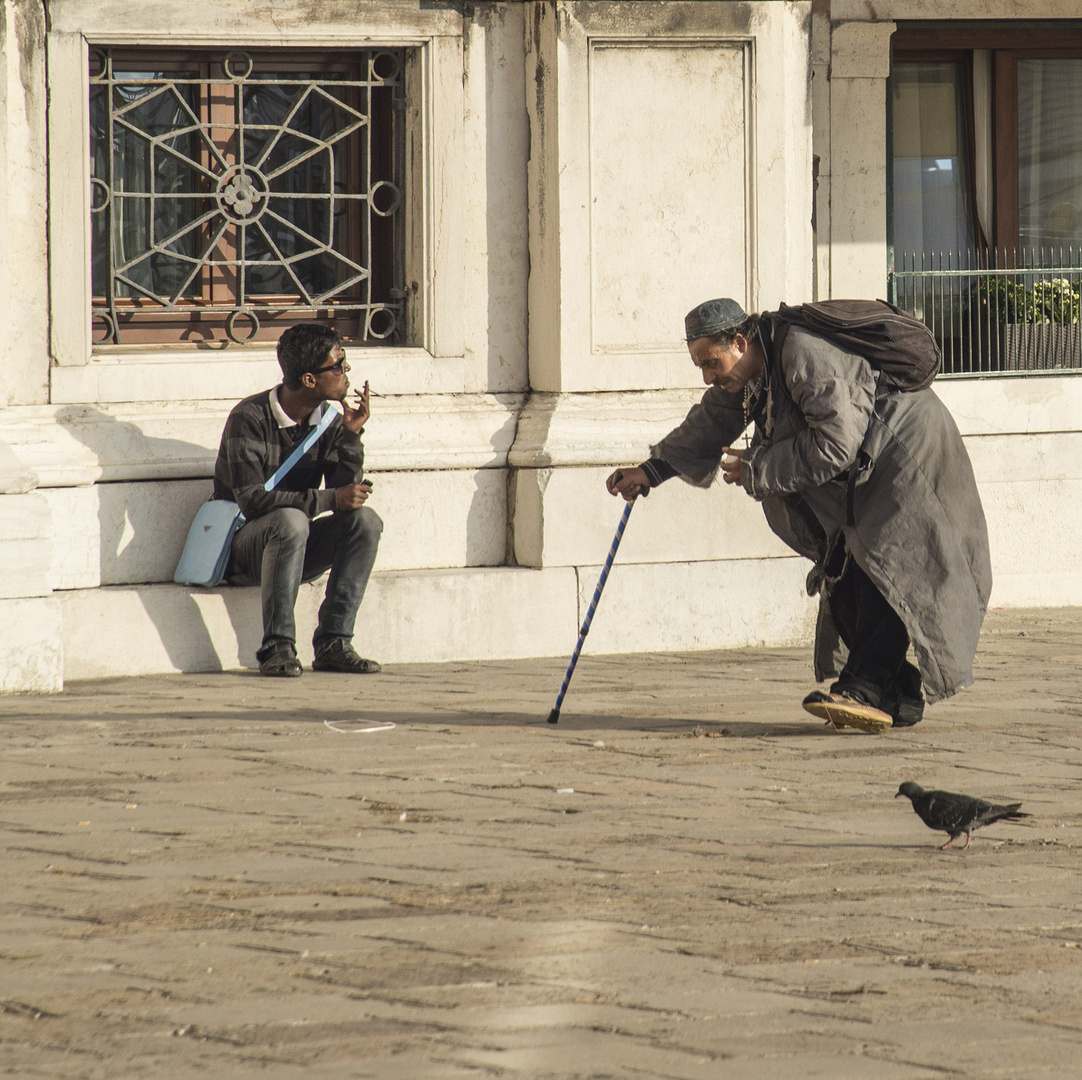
(281, 549)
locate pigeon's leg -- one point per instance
(969, 836)
(943, 847)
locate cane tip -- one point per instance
(554, 716)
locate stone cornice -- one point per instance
(73, 445)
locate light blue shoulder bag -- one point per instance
(210, 539)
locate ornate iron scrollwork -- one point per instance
(232, 189)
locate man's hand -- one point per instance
(352, 496)
(356, 418)
(628, 482)
(731, 460)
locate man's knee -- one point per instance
(290, 523)
(365, 522)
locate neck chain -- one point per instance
(747, 411)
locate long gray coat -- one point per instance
(918, 525)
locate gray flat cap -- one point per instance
(712, 317)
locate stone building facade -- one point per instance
(561, 182)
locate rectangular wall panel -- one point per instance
(669, 167)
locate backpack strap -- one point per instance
(325, 421)
(860, 463)
(851, 493)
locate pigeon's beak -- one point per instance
(899, 795)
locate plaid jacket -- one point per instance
(253, 446)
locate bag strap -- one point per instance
(860, 462)
(329, 413)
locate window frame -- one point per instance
(1013, 317)
(432, 362)
(261, 315)
(914, 42)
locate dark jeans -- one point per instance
(283, 548)
(876, 638)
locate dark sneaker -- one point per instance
(903, 698)
(281, 662)
(906, 711)
(843, 710)
(341, 656)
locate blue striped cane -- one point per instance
(554, 716)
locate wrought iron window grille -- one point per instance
(231, 190)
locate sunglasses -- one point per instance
(337, 368)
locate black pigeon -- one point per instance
(956, 814)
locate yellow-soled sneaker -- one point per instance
(845, 712)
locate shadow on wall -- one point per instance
(142, 524)
(184, 614)
(489, 517)
(486, 519)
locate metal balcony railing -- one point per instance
(997, 312)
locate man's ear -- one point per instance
(741, 344)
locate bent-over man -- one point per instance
(315, 519)
(873, 485)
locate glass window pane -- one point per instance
(932, 167)
(155, 185)
(1049, 154)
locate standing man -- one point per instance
(873, 485)
(315, 519)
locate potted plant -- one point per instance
(1039, 323)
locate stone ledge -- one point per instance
(410, 616)
(436, 615)
(30, 638)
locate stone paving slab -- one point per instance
(687, 877)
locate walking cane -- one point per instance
(554, 716)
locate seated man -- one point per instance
(298, 530)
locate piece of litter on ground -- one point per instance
(403, 816)
(599, 743)
(565, 791)
(368, 726)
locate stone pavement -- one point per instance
(688, 877)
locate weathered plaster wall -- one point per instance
(583, 172)
(493, 192)
(30, 618)
(670, 157)
(857, 156)
(24, 292)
